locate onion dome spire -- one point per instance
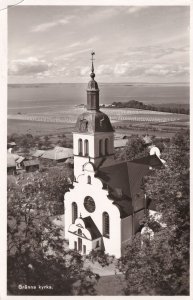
(92, 89)
(93, 120)
(92, 74)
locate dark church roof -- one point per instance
(150, 160)
(124, 180)
(91, 227)
(93, 121)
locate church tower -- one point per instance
(104, 206)
(93, 138)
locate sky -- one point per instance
(52, 44)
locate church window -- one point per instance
(106, 224)
(75, 245)
(89, 204)
(106, 146)
(74, 212)
(100, 147)
(80, 146)
(86, 148)
(89, 180)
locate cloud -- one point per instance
(96, 15)
(84, 42)
(72, 54)
(46, 26)
(76, 44)
(85, 71)
(121, 69)
(167, 70)
(154, 52)
(91, 40)
(104, 69)
(135, 9)
(29, 66)
(128, 69)
(162, 52)
(150, 69)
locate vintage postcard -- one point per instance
(96, 182)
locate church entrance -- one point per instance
(80, 244)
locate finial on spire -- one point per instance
(92, 75)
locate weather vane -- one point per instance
(92, 59)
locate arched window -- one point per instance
(106, 146)
(89, 180)
(100, 147)
(74, 212)
(86, 148)
(106, 227)
(80, 146)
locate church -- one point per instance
(104, 207)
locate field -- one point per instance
(129, 121)
(37, 128)
(50, 109)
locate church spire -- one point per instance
(92, 90)
(92, 75)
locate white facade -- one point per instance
(96, 152)
(82, 189)
(92, 219)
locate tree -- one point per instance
(104, 259)
(135, 148)
(24, 141)
(37, 251)
(161, 266)
(46, 142)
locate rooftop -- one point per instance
(124, 180)
(91, 227)
(38, 153)
(58, 153)
(10, 160)
(20, 159)
(120, 143)
(93, 121)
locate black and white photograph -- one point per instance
(98, 149)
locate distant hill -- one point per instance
(168, 107)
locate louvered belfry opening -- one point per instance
(106, 226)
(74, 212)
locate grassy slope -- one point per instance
(110, 285)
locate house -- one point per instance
(70, 161)
(14, 162)
(11, 145)
(11, 164)
(120, 143)
(120, 136)
(58, 154)
(38, 153)
(31, 165)
(19, 162)
(104, 207)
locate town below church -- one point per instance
(99, 216)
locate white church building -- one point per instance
(104, 207)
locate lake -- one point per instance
(33, 98)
